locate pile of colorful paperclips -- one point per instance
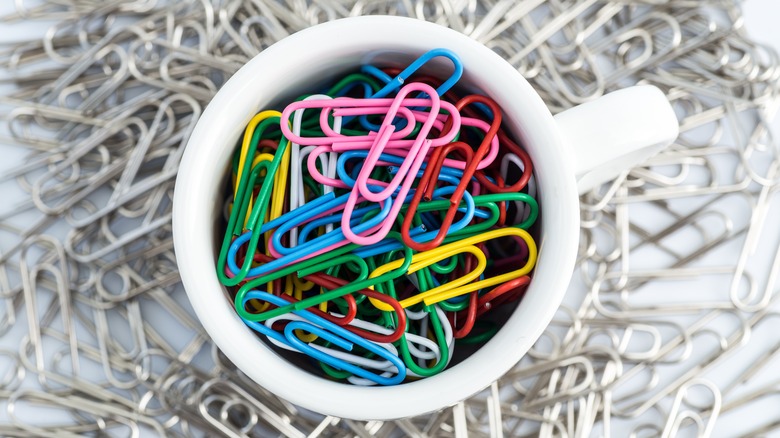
(376, 226)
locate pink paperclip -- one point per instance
(275, 253)
(355, 106)
(330, 132)
(420, 116)
(311, 163)
(337, 183)
(394, 210)
(383, 136)
(407, 172)
(334, 104)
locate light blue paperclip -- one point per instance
(357, 216)
(394, 83)
(291, 255)
(470, 210)
(398, 81)
(335, 362)
(376, 72)
(314, 203)
(333, 236)
(331, 332)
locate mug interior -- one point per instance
(437, 67)
(298, 64)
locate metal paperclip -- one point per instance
(116, 62)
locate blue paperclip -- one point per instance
(453, 175)
(387, 245)
(438, 194)
(314, 203)
(291, 255)
(377, 73)
(398, 81)
(329, 331)
(331, 237)
(367, 91)
(392, 84)
(357, 217)
(349, 177)
(340, 363)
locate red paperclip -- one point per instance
(426, 185)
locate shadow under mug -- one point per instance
(572, 152)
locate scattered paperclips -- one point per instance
(102, 101)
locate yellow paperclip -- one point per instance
(277, 196)
(462, 285)
(247, 140)
(426, 259)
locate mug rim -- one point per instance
(195, 198)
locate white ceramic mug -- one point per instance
(571, 152)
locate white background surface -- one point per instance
(762, 19)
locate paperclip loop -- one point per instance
(504, 292)
(363, 219)
(399, 147)
(376, 106)
(490, 220)
(432, 350)
(393, 84)
(426, 184)
(422, 191)
(419, 147)
(330, 332)
(508, 144)
(469, 212)
(423, 260)
(457, 288)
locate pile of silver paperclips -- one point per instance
(97, 336)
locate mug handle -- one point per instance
(617, 132)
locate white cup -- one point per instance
(571, 152)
